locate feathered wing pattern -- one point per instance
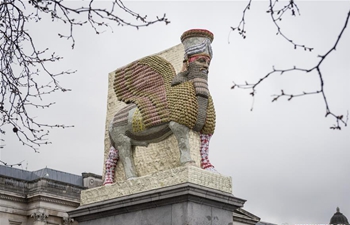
(146, 82)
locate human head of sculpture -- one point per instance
(200, 61)
(197, 44)
(198, 54)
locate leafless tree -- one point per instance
(277, 10)
(25, 75)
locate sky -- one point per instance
(282, 156)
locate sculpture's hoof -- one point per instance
(212, 169)
(189, 163)
(108, 181)
(131, 178)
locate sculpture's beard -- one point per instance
(197, 71)
(199, 75)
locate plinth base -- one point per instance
(166, 178)
(182, 204)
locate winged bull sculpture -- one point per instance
(161, 102)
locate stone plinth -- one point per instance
(182, 204)
(179, 175)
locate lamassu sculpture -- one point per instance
(161, 102)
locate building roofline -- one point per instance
(45, 173)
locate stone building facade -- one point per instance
(41, 197)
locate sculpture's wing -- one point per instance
(146, 82)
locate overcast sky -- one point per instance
(282, 156)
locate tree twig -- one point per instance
(340, 119)
(21, 90)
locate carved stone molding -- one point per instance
(67, 221)
(12, 198)
(12, 222)
(73, 203)
(39, 216)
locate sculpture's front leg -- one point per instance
(204, 150)
(181, 133)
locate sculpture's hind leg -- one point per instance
(111, 164)
(181, 133)
(123, 144)
(117, 129)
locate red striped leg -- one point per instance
(111, 164)
(204, 151)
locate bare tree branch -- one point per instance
(241, 25)
(11, 165)
(25, 74)
(276, 15)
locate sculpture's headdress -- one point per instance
(197, 42)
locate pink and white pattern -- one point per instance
(204, 151)
(111, 164)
